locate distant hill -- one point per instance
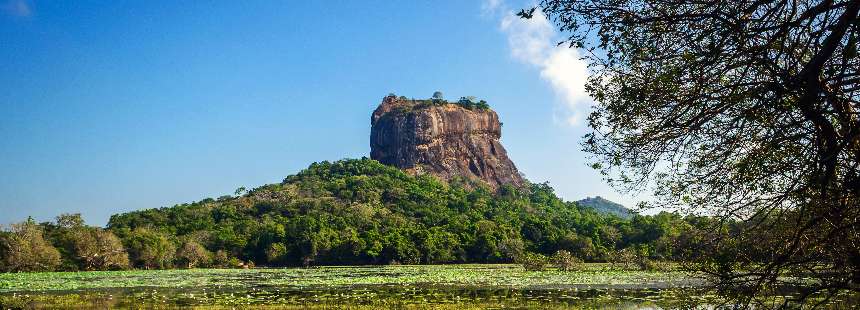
(604, 206)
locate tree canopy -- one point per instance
(354, 212)
(24, 248)
(746, 110)
(363, 212)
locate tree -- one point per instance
(150, 249)
(221, 259)
(439, 246)
(67, 220)
(276, 253)
(582, 246)
(83, 247)
(240, 191)
(98, 249)
(192, 254)
(437, 98)
(744, 110)
(24, 249)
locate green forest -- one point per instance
(350, 212)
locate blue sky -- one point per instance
(122, 105)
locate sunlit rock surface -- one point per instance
(444, 140)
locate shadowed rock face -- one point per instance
(445, 141)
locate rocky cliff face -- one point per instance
(443, 140)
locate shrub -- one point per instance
(645, 263)
(565, 261)
(220, 259)
(654, 265)
(626, 257)
(632, 258)
(533, 261)
(471, 103)
(235, 263)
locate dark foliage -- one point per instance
(746, 110)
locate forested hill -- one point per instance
(605, 206)
(358, 211)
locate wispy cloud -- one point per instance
(491, 7)
(19, 8)
(534, 42)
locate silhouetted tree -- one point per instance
(747, 110)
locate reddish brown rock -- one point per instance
(444, 140)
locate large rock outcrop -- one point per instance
(445, 140)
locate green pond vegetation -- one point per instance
(468, 275)
(410, 286)
(467, 286)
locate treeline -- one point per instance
(349, 212)
(467, 102)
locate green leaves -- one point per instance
(351, 212)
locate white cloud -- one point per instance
(534, 42)
(490, 7)
(568, 74)
(20, 8)
(528, 39)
